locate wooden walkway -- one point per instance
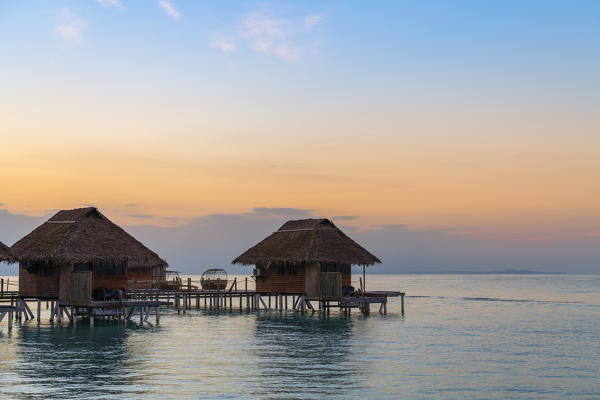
(147, 303)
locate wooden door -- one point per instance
(311, 279)
(81, 287)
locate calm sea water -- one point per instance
(463, 337)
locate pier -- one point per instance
(143, 301)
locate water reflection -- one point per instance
(307, 355)
(61, 361)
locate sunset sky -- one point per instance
(471, 120)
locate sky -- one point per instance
(443, 136)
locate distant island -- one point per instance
(494, 272)
(513, 272)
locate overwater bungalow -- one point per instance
(80, 253)
(5, 253)
(310, 257)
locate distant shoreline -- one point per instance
(498, 272)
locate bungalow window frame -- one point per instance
(45, 271)
(111, 270)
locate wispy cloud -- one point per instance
(145, 216)
(222, 44)
(110, 3)
(284, 38)
(169, 8)
(311, 21)
(71, 27)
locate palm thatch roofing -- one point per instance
(83, 235)
(307, 240)
(5, 253)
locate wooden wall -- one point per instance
(64, 284)
(109, 282)
(31, 285)
(141, 275)
(306, 280)
(347, 278)
(286, 283)
(311, 282)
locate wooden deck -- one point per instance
(147, 302)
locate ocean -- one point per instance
(462, 337)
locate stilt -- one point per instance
(39, 310)
(402, 303)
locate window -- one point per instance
(110, 269)
(280, 269)
(323, 267)
(45, 270)
(100, 269)
(291, 270)
(82, 267)
(345, 269)
(120, 269)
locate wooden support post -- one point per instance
(286, 301)
(39, 310)
(402, 303)
(142, 315)
(364, 280)
(246, 285)
(74, 315)
(157, 311)
(2, 287)
(10, 320)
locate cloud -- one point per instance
(146, 216)
(110, 3)
(2, 204)
(170, 9)
(14, 226)
(130, 205)
(282, 212)
(222, 44)
(284, 38)
(311, 21)
(344, 218)
(257, 25)
(216, 239)
(70, 27)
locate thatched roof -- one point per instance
(308, 240)
(5, 253)
(83, 235)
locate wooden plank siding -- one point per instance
(32, 285)
(141, 275)
(286, 283)
(64, 282)
(305, 281)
